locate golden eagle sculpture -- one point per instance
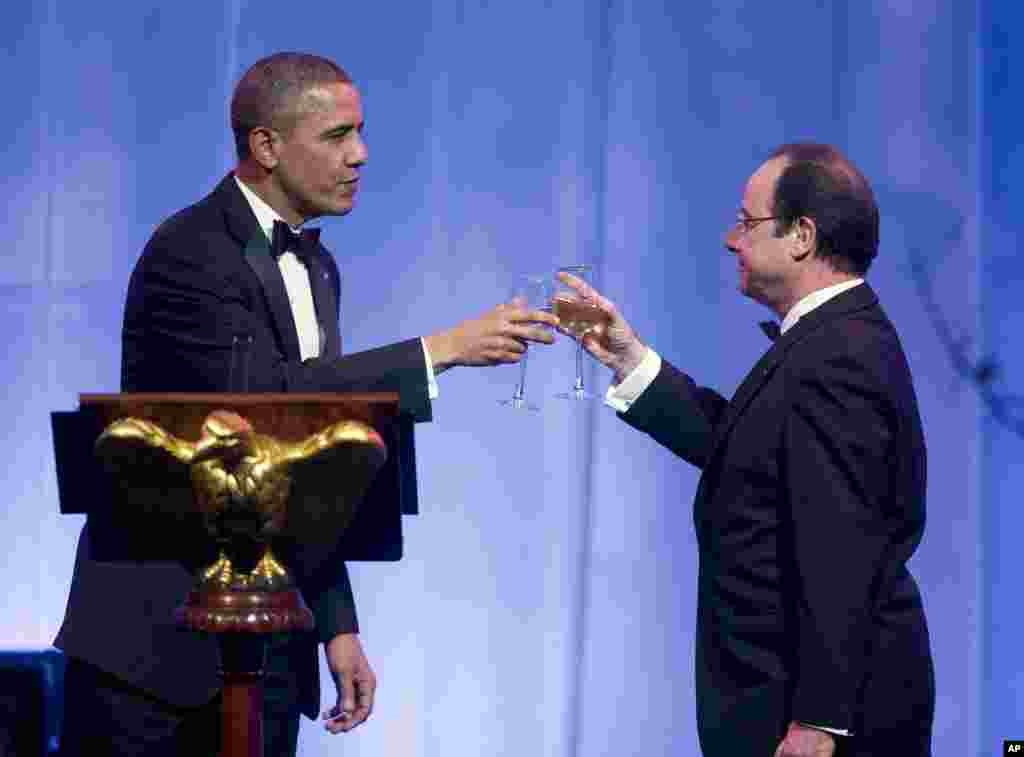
(252, 490)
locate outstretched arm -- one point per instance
(497, 337)
(667, 405)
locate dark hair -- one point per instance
(819, 182)
(269, 93)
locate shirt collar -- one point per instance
(265, 215)
(813, 300)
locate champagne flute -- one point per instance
(533, 291)
(579, 318)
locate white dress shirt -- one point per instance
(296, 278)
(300, 295)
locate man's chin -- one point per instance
(335, 209)
(750, 292)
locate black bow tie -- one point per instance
(304, 245)
(771, 329)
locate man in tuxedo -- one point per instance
(229, 295)
(811, 636)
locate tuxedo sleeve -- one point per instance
(333, 606)
(678, 414)
(188, 303)
(837, 451)
(397, 367)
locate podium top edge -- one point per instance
(237, 400)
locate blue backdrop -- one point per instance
(546, 603)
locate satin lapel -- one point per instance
(858, 298)
(243, 226)
(257, 255)
(758, 376)
(751, 385)
(325, 298)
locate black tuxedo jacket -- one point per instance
(205, 278)
(812, 500)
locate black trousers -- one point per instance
(104, 716)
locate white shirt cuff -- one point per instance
(432, 390)
(620, 397)
(825, 728)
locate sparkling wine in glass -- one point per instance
(533, 292)
(579, 318)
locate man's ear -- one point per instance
(263, 145)
(804, 236)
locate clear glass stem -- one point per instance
(579, 366)
(521, 386)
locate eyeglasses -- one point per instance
(745, 224)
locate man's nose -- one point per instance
(731, 239)
(359, 153)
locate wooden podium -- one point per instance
(271, 484)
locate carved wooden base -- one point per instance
(255, 612)
(241, 608)
(261, 600)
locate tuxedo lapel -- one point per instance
(243, 226)
(325, 298)
(857, 298)
(756, 378)
(257, 255)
